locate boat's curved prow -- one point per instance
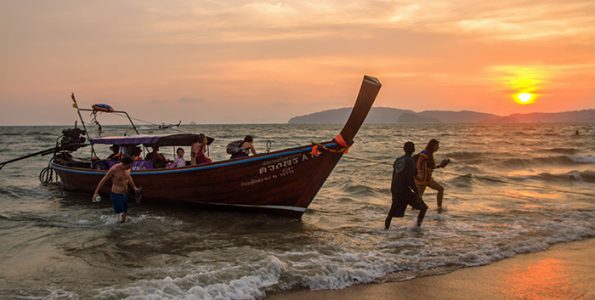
(367, 94)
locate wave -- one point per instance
(568, 160)
(466, 155)
(363, 190)
(572, 176)
(405, 254)
(105, 219)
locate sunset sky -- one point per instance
(267, 61)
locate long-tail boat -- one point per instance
(282, 182)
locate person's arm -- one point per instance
(131, 183)
(193, 154)
(252, 149)
(421, 167)
(393, 182)
(410, 177)
(105, 178)
(443, 163)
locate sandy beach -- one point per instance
(565, 271)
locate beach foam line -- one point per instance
(563, 272)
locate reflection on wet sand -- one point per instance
(546, 278)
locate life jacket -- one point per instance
(424, 174)
(234, 147)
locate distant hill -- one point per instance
(581, 116)
(384, 115)
(377, 115)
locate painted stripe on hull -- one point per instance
(281, 207)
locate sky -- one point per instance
(267, 61)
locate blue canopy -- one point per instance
(184, 139)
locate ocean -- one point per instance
(509, 189)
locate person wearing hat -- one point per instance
(116, 155)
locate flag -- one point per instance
(74, 105)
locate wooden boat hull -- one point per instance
(283, 182)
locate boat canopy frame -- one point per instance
(113, 112)
(180, 139)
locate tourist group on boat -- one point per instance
(156, 160)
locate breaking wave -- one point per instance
(407, 255)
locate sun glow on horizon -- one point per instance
(524, 98)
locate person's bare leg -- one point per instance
(124, 216)
(422, 189)
(436, 186)
(420, 216)
(389, 218)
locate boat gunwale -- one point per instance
(186, 169)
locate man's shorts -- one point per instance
(119, 202)
(400, 202)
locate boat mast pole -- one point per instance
(75, 105)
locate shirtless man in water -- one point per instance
(121, 179)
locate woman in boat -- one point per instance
(425, 166)
(246, 147)
(198, 150)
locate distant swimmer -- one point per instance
(576, 133)
(121, 180)
(403, 188)
(425, 166)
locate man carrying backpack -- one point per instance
(241, 148)
(403, 188)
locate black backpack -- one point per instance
(234, 147)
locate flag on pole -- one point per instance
(74, 105)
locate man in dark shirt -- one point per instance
(159, 161)
(404, 189)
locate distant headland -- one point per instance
(386, 115)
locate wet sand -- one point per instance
(565, 271)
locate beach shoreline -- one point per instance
(564, 271)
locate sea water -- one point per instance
(505, 194)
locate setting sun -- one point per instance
(524, 98)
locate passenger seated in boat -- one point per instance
(246, 147)
(116, 155)
(179, 161)
(159, 161)
(137, 153)
(198, 149)
(131, 150)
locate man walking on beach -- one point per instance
(403, 188)
(121, 179)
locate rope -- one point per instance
(147, 122)
(477, 179)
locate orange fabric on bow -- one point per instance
(341, 141)
(315, 151)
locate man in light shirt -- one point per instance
(180, 161)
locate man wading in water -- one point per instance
(403, 188)
(121, 179)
